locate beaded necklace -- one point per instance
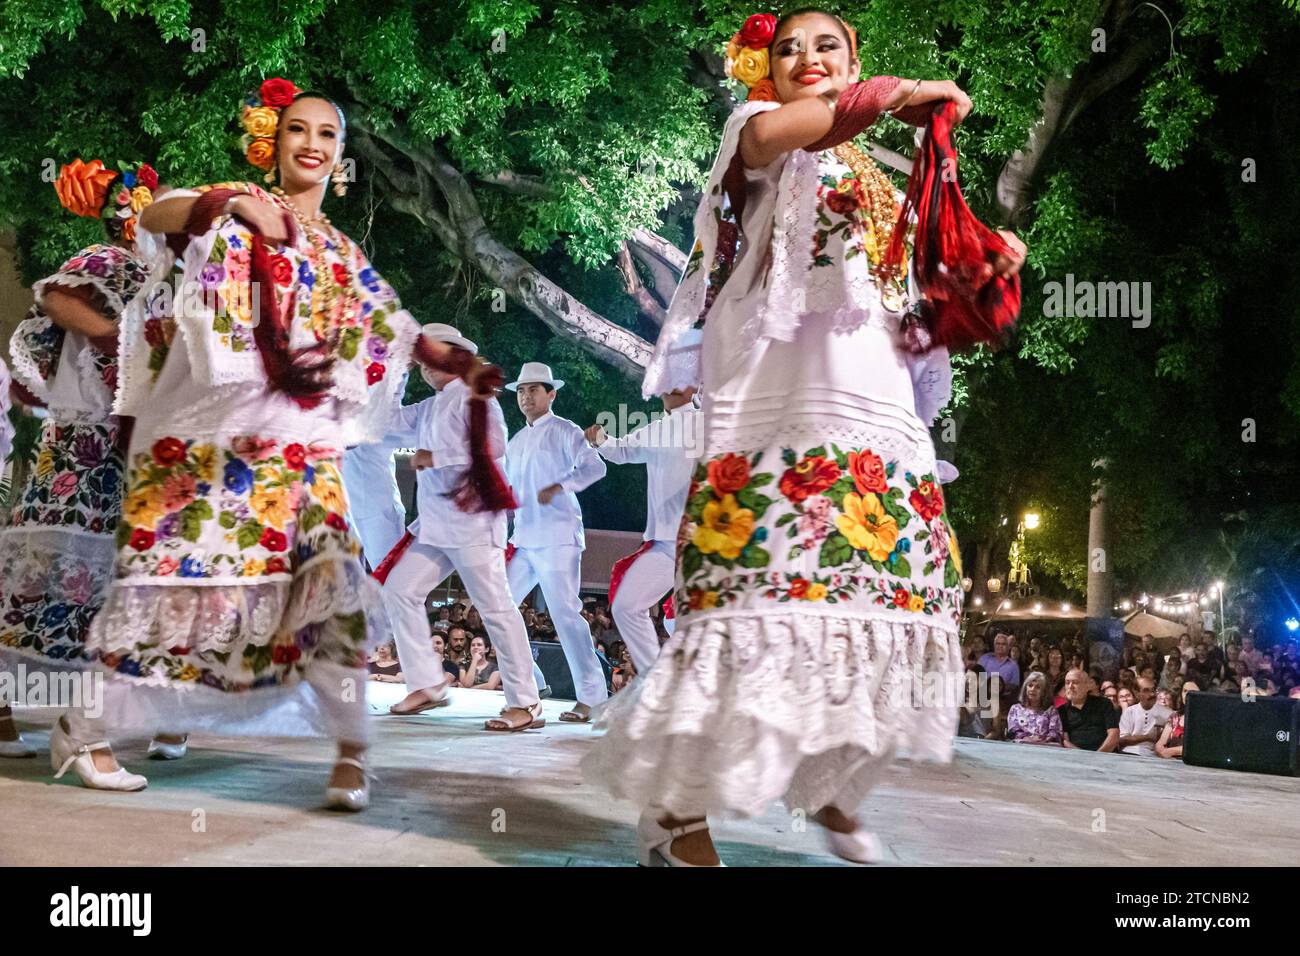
(882, 213)
(325, 275)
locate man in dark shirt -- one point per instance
(1089, 723)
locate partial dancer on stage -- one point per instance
(668, 447)
(547, 464)
(241, 605)
(818, 580)
(444, 539)
(375, 506)
(56, 553)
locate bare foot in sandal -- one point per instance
(517, 718)
(418, 701)
(579, 714)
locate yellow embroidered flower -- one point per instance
(815, 592)
(954, 551)
(725, 528)
(867, 526)
(205, 462)
(916, 603)
(253, 567)
(327, 490)
(140, 197)
(44, 463)
(750, 66)
(260, 121)
(143, 507)
(271, 505)
(190, 672)
(709, 599)
(9, 639)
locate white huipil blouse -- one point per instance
(817, 584)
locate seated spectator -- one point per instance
(971, 721)
(458, 646)
(384, 666)
(482, 673)
(1249, 654)
(1170, 744)
(1111, 693)
(456, 614)
(1033, 720)
(1125, 698)
(1141, 724)
(623, 671)
(474, 621)
(1087, 723)
(1201, 669)
(1165, 697)
(451, 667)
(1229, 686)
(999, 662)
(1171, 668)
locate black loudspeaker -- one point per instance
(550, 658)
(1227, 732)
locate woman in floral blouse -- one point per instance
(56, 552)
(1034, 719)
(241, 604)
(818, 581)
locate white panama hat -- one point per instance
(449, 335)
(535, 372)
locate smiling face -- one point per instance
(810, 56)
(309, 142)
(534, 399)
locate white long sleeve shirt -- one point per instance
(440, 425)
(550, 451)
(669, 447)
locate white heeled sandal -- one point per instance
(655, 844)
(161, 750)
(860, 846)
(354, 800)
(67, 753)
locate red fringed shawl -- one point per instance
(964, 302)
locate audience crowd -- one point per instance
(1050, 694)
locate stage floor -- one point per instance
(450, 793)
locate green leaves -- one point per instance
(192, 517)
(249, 534)
(835, 551)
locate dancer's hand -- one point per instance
(595, 435)
(272, 222)
(1009, 265)
(957, 95)
(546, 494)
(422, 459)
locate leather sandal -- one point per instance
(503, 724)
(443, 701)
(576, 716)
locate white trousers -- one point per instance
(559, 571)
(643, 586)
(375, 507)
(482, 569)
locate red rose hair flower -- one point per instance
(277, 92)
(758, 31)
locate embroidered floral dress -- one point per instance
(240, 602)
(56, 550)
(817, 591)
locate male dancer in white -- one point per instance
(446, 539)
(375, 506)
(547, 463)
(668, 447)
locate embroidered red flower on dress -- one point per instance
(927, 499)
(295, 456)
(811, 476)
(273, 540)
(168, 451)
(868, 472)
(798, 587)
(141, 539)
(374, 372)
(340, 274)
(729, 473)
(281, 270)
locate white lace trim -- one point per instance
(73, 279)
(737, 713)
(688, 301)
(25, 368)
(223, 617)
(6, 428)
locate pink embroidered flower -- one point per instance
(178, 491)
(815, 522)
(939, 541)
(237, 264)
(167, 565)
(252, 448)
(65, 483)
(77, 586)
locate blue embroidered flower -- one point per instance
(760, 534)
(369, 278)
(108, 481)
(238, 477)
(234, 242)
(128, 180)
(202, 489)
(129, 665)
(308, 475)
(305, 275)
(54, 615)
(191, 568)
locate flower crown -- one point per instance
(747, 56)
(84, 188)
(261, 118)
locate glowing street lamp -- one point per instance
(1031, 521)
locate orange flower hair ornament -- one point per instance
(261, 119)
(92, 190)
(747, 59)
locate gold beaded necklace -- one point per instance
(332, 323)
(882, 213)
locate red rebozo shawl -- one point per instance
(963, 301)
(303, 374)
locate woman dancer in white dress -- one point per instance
(817, 578)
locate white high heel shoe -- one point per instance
(342, 798)
(66, 752)
(161, 750)
(16, 748)
(860, 846)
(655, 844)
